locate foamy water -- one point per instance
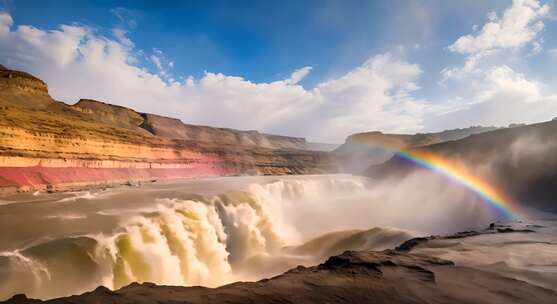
(212, 232)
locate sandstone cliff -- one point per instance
(47, 144)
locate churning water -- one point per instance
(209, 232)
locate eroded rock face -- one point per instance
(21, 80)
(20, 89)
(112, 114)
(172, 128)
(175, 129)
(49, 144)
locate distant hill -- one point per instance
(314, 146)
(521, 161)
(364, 149)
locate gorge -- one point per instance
(129, 207)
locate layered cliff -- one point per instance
(364, 149)
(47, 144)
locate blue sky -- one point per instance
(264, 41)
(364, 65)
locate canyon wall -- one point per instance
(362, 150)
(49, 145)
(519, 161)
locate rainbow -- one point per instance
(460, 175)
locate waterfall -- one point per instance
(237, 235)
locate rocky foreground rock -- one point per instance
(391, 276)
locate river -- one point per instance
(211, 231)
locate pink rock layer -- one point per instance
(50, 177)
(49, 145)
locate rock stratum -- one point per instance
(50, 145)
(417, 271)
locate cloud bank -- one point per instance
(77, 62)
(489, 87)
(495, 91)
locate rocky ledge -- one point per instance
(391, 276)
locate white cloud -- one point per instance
(120, 35)
(492, 89)
(552, 53)
(470, 66)
(375, 96)
(504, 96)
(124, 16)
(298, 75)
(504, 80)
(6, 22)
(537, 47)
(79, 63)
(156, 61)
(519, 25)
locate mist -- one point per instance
(249, 232)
